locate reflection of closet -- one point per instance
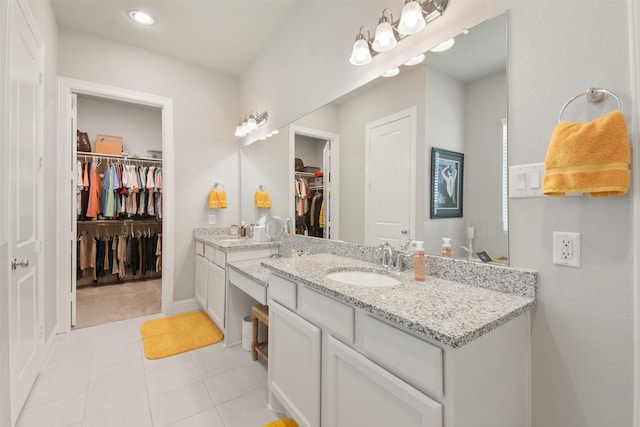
(310, 204)
(119, 224)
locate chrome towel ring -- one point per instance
(594, 96)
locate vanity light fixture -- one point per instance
(445, 45)
(141, 17)
(414, 17)
(361, 54)
(251, 123)
(385, 39)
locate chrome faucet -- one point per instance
(387, 254)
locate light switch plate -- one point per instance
(526, 180)
(212, 219)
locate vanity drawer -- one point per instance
(253, 289)
(220, 258)
(326, 312)
(209, 252)
(200, 248)
(419, 363)
(283, 291)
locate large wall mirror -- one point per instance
(374, 148)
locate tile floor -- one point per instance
(99, 376)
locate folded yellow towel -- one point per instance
(263, 199)
(222, 197)
(589, 158)
(214, 201)
(286, 422)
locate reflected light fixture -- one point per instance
(414, 17)
(445, 45)
(415, 60)
(392, 72)
(252, 122)
(361, 54)
(141, 17)
(385, 39)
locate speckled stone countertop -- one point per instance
(449, 312)
(253, 269)
(220, 238)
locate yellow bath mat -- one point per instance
(286, 422)
(176, 334)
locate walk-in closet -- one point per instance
(310, 203)
(119, 211)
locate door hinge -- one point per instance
(40, 162)
(38, 246)
(40, 78)
(41, 331)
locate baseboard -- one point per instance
(49, 344)
(184, 306)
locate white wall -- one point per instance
(582, 329)
(309, 149)
(484, 110)
(205, 116)
(139, 126)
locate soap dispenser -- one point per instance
(418, 261)
(446, 247)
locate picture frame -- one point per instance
(447, 179)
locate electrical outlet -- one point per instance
(212, 219)
(566, 249)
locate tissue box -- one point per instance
(259, 234)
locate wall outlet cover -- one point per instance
(566, 249)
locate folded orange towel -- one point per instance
(214, 201)
(222, 197)
(263, 199)
(589, 158)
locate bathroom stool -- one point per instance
(260, 313)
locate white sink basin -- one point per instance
(363, 278)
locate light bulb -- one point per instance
(445, 45)
(385, 39)
(245, 127)
(239, 131)
(392, 72)
(411, 20)
(360, 55)
(251, 123)
(415, 60)
(141, 17)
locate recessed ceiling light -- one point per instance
(415, 60)
(392, 72)
(141, 17)
(445, 45)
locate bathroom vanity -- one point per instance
(434, 353)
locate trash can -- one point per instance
(247, 332)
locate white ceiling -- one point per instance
(223, 35)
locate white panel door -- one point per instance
(24, 146)
(361, 393)
(294, 364)
(390, 183)
(202, 267)
(216, 294)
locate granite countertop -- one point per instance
(253, 269)
(449, 312)
(229, 242)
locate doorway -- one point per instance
(69, 89)
(318, 178)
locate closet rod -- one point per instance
(119, 221)
(120, 157)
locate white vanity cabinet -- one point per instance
(376, 373)
(211, 284)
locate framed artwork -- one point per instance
(447, 171)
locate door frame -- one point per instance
(412, 114)
(67, 87)
(334, 141)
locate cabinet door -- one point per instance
(294, 364)
(216, 294)
(202, 265)
(361, 393)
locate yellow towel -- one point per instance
(263, 199)
(589, 158)
(286, 422)
(214, 200)
(222, 197)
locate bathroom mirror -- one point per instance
(454, 100)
